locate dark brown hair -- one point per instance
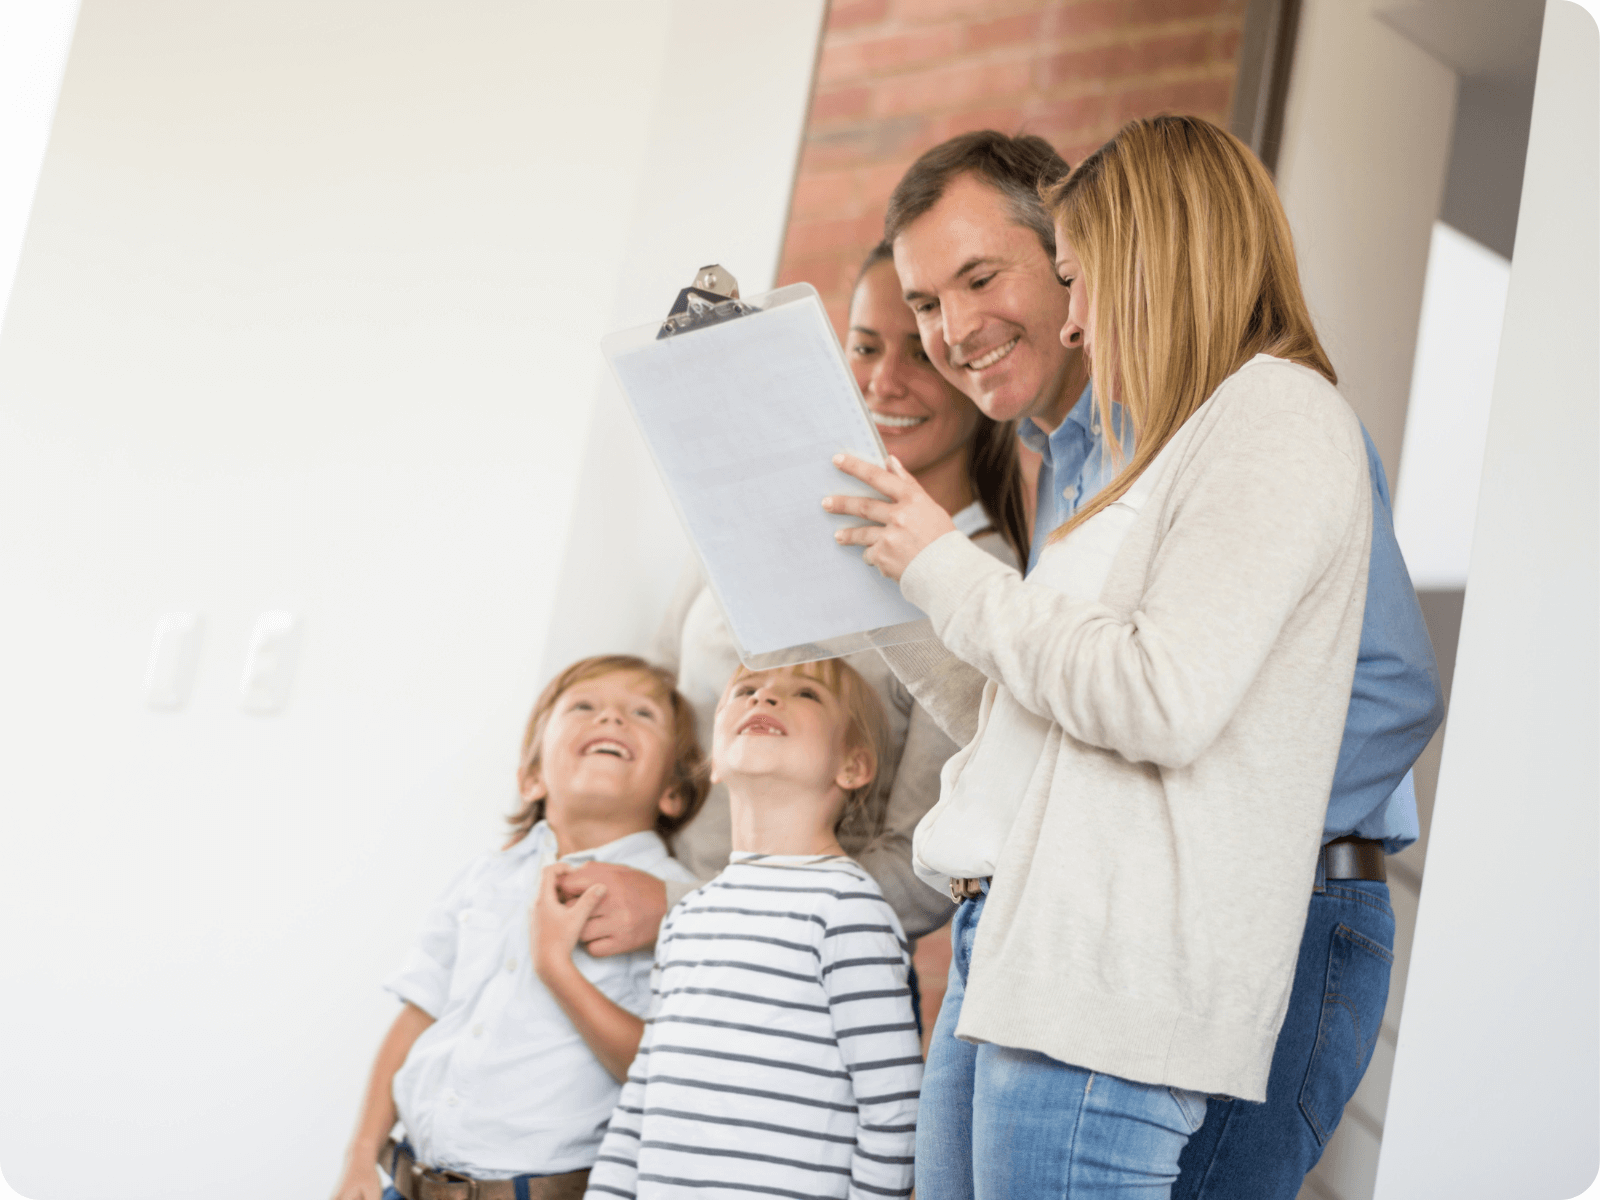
(689, 777)
(1017, 167)
(994, 469)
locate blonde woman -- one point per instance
(1151, 721)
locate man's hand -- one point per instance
(627, 915)
(907, 522)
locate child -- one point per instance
(781, 1057)
(505, 1062)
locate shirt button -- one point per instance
(477, 1030)
(511, 964)
(450, 1098)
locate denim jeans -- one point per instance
(1341, 983)
(998, 1123)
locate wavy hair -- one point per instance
(1189, 265)
(690, 776)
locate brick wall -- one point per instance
(899, 76)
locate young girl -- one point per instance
(1159, 709)
(505, 1060)
(781, 1058)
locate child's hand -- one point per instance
(554, 928)
(360, 1182)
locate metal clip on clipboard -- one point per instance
(712, 298)
(743, 404)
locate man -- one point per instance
(975, 251)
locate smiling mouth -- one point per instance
(759, 726)
(609, 746)
(885, 421)
(994, 356)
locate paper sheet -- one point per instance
(743, 419)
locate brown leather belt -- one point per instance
(417, 1182)
(1352, 857)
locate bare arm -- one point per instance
(610, 1030)
(361, 1180)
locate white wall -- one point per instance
(306, 319)
(1494, 1090)
(1361, 170)
(1447, 416)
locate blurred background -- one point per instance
(311, 472)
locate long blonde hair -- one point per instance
(1190, 269)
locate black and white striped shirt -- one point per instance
(781, 1057)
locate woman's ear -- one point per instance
(856, 771)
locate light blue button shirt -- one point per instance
(1395, 704)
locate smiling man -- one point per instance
(975, 251)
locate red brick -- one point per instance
(1085, 17)
(1199, 97)
(876, 183)
(830, 193)
(951, 87)
(863, 59)
(1141, 11)
(924, 11)
(1022, 28)
(1005, 120)
(1079, 112)
(840, 104)
(1165, 53)
(848, 14)
(816, 236)
(861, 143)
(1228, 45)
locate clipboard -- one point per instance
(743, 404)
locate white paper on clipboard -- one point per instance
(743, 419)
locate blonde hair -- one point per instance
(866, 730)
(690, 777)
(1190, 269)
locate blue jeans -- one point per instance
(1341, 983)
(998, 1123)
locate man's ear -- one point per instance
(529, 785)
(672, 802)
(856, 771)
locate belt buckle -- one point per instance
(432, 1175)
(962, 890)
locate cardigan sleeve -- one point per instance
(1260, 512)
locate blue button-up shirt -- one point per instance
(1395, 704)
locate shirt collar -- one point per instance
(1080, 414)
(633, 847)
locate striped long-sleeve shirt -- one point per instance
(781, 1057)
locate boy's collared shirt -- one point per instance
(502, 1083)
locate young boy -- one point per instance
(505, 1061)
(781, 1057)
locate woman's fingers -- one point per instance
(869, 507)
(874, 476)
(858, 535)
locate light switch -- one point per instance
(174, 654)
(269, 667)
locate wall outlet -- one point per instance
(269, 666)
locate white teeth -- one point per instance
(615, 749)
(889, 422)
(994, 356)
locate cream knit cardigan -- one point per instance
(1148, 903)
